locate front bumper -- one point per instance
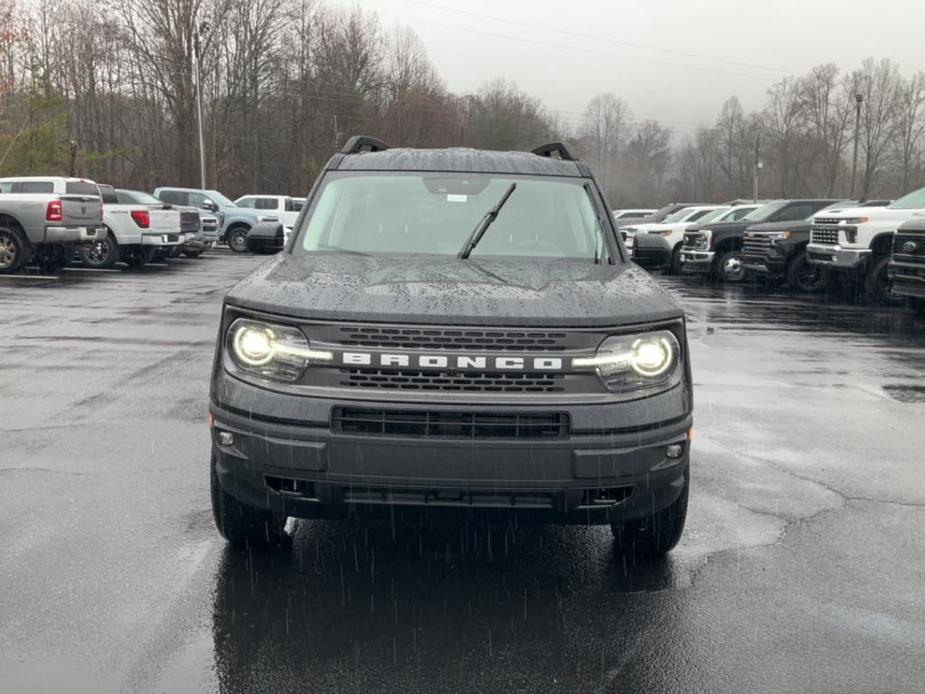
(304, 466)
(908, 279)
(836, 256)
(697, 261)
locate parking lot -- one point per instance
(801, 568)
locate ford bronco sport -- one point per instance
(452, 329)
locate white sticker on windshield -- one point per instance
(456, 198)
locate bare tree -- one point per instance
(605, 133)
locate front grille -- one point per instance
(824, 235)
(455, 425)
(757, 245)
(455, 339)
(830, 221)
(909, 248)
(189, 221)
(490, 382)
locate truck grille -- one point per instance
(189, 221)
(824, 235)
(457, 425)
(456, 380)
(455, 339)
(909, 247)
(756, 245)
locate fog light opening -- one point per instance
(225, 438)
(674, 451)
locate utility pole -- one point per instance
(197, 76)
(859, 99)
(758, 165)
(72, 167)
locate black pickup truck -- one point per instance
(717, 250)
(451, 331)
(907, 264)
(776, 251)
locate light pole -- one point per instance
(197, 76)
(859, 99)
(758, 165)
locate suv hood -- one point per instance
(511, 292)
(859, 212)
(780, 226)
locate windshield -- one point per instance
(763, 213)
(678, 216)
(912, 201)
(220, 199)
(436, 213)
(713, 215)
(135, 196)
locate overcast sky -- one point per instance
(671, 60)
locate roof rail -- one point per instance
(560, 148)
(363, 143)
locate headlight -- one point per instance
(705, 239)
(778, 235)
(278, 352)
(856, 220)
(635, 362)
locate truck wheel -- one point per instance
(656, 534)
(877, 282)
(12, 251)
(729, 268)
(674, 265)
(102, 254)
(192, 254)
(237, 240)
(803, 276)
(241, 524)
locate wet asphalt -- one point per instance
(802, 568)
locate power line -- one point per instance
(602, 39)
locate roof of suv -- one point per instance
(458, 159)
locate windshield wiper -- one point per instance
(483, 225)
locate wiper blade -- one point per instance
(483, 225)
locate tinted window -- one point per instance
(174, 197)
(266, 203)
(736, 215)
(38, 187)
(246, 202)
(697, 215)
(6, 187)
(81, 188)
(797, 212)
(198, 200)
(294, 204)
(108, 194)
(912, 201)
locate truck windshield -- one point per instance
(912, 201)
(435, 213)
(220, 199)
(714, 215)
(763, 213)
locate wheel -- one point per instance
(12, 251)
(101, 254)
(656, 534)
(241, 524)
(729, 268)
(53, 257)
(803, 276)
(237, 240)
(674, 265)
(877, 282)
(192, 254)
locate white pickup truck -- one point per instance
(858, 241)
(45, 218)
(283, 207)
(135, 233)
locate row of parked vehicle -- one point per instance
(809, 244)
(48, 220)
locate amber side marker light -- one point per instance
(211, 420)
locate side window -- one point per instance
(697, 215)
(198, 200)
(173, 197)
(36, 187)
(6, 187)
(246, 202)
(293, 205)
(738, 214)
(108, 195)
(266, 203)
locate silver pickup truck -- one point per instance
(46, 218)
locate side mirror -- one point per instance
(210, 206)
(266, 238)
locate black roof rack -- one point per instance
(363, 143)
(560, 148)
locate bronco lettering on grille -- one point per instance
(462, 363)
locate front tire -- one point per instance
(657, 534)
(877, 283)
(12, 251)
(674, 265)
(729, 268)
(241, 524)
(237, 240)
(803, 276)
